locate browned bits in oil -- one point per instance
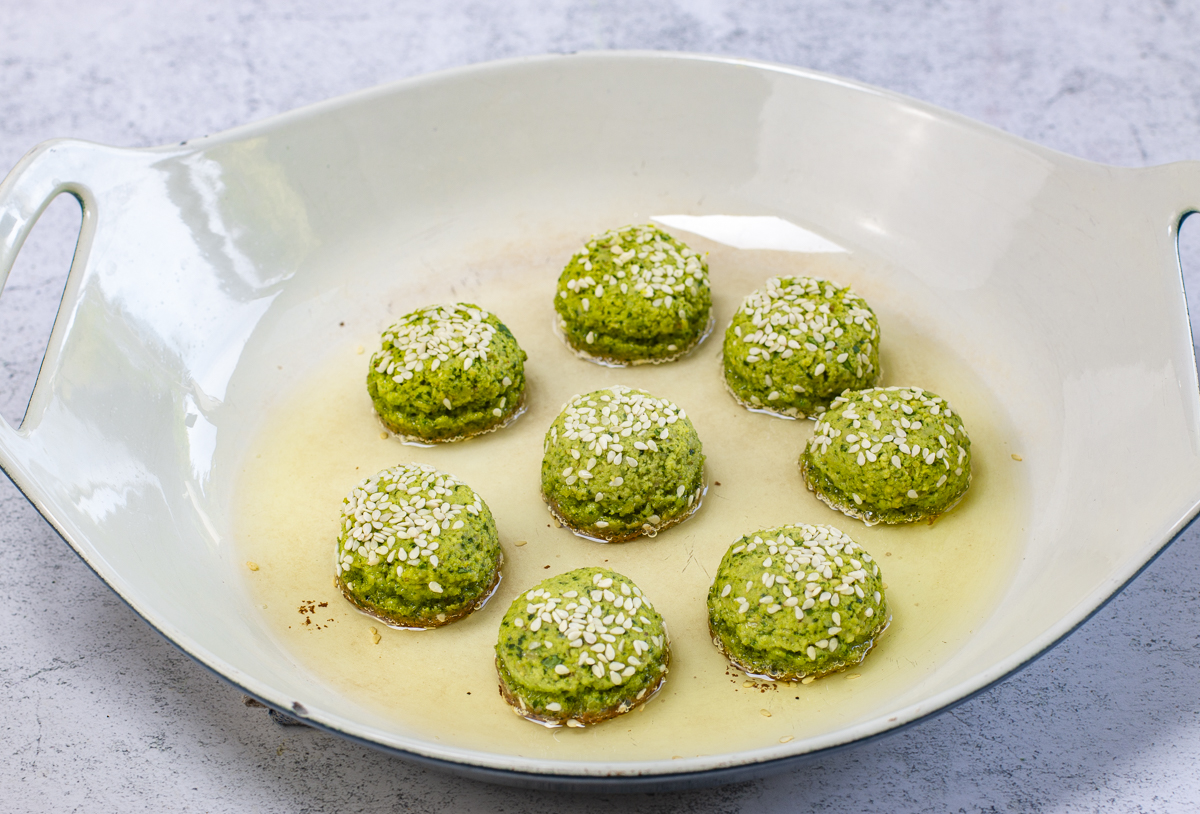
(253, 566)
(1017, 457)
(308, 609)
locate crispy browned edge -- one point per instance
(412, 623)
(518, 705)
(612, 361)
(517, 411)
(594, 533)
(762, 408)
(871, 518)
(767, 675)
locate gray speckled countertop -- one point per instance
(100, 714)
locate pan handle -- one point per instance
(51, 168)
(1169, 193)
(39, 177)
(1177, 186)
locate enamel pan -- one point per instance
(1060, 278)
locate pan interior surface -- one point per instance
(945, 579)
(202, 400)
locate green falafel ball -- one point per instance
(796, 343)
(889, 455)
(418, 548)
(620, 463)
(634, 295)
(581, 647)
(447, 372)
(796, 601)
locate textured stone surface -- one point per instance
(103, 715)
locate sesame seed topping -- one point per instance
(821, 562)
(915, 441)
(643, 262)
(435, 336)
(399, 513)
(615, 430)
(605, 632)
(830, 331)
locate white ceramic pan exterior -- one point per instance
(196, 262)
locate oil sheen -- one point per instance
(440, 685)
